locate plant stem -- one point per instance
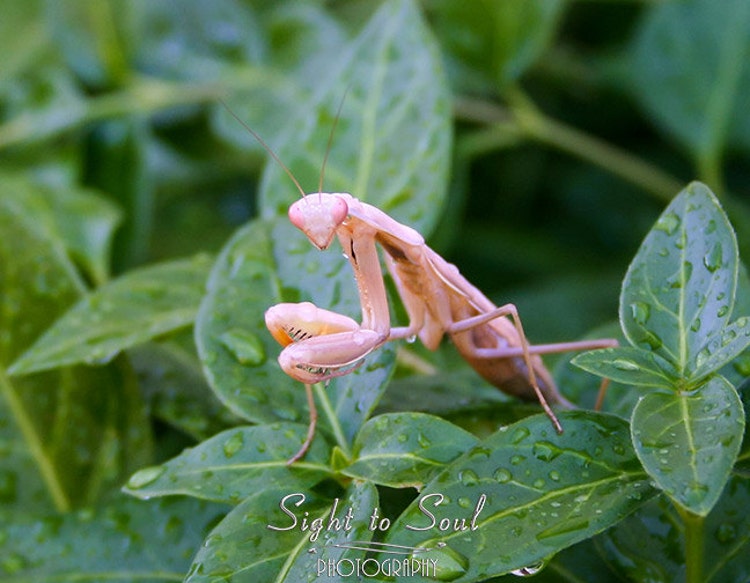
(333, 420)
(531, 123)
(693, 545)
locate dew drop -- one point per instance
(233, 444)
(713, 259)
(723, 311)
(468, 477)
(517, 459)
(449, 564)
(423, 441)
(246, 347)
(695, 493)
(641, 312)
(726, 533)
(625, 365)
(503, 476)
(668, 223)
(545, 451)
(530, 570)
(554, 476)
(519, 435)
(145, 477)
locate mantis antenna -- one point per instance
(330, 140)
(268, 148)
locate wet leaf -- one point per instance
(235, 464)
(688, 443)
(243, 548)
(543, 491)
(133, 309)
(406, 449)
(679, 291)
(628, 365)
(64, 441)
(392, 142)
(118, 541)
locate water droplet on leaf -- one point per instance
(245, 346)
(233, 444)
(145, 477)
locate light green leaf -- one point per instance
(130, 541)
(679, 291)
(392, 142)
(688, 443)
(133, 309)
(406, 449)
(629, 365)
(543, 492)
(234, 464)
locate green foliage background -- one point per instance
(533, 142)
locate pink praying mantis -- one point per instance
(320, 344)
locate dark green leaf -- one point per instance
(172, 382)
(493, 43)
(543, 491)
(688, 443)
(679, 291)
(234, 464)
(690, 71)
(629, 365)
(127, 540)
(392, 142)
(649, 544)
(406, 449)
(133, 309)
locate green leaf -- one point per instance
(690, 71)
(82, 220)
(235, 464)
(406, 449)
(688, 443)
(172, 382)
(127, 540)
(493, 43)
(629, 365)
(243, 548)
(649, 544)
(65, 440)
(133, 309)
(679, 290)
(22, 38)
(392, 142)
(543, 491)
(260, 266)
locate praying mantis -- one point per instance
(320, 344)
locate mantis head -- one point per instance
(318, 216)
